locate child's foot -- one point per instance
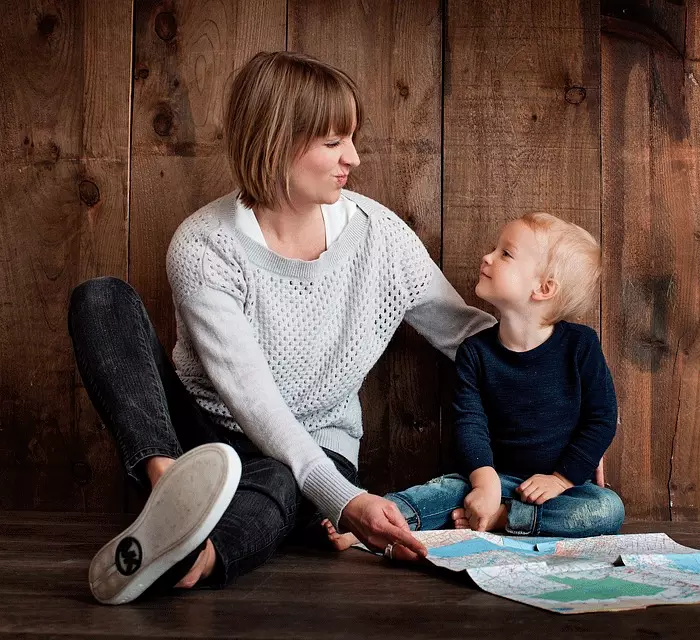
(340, 541)
(497, 522)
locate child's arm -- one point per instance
(595, 431)
(598, 418)
(474, 455)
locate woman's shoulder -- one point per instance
(205, 244)
(205, 220)
(382, 218)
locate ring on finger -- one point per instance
(389, 551)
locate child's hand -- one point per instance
(540, 488)
(481, 505)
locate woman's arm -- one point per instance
(236, 366)
(442, 316)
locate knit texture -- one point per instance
(549, 409)
(278, 348)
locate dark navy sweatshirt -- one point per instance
(549, 409)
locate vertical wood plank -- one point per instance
(651, 292)
(521, 125)
(681, 197)
(64, 118)
(186, 55)
(393, 51)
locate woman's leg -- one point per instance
(579, 512)
(129, 377)
(268, 496)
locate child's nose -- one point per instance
(487, 258)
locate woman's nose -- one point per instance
(350, 156)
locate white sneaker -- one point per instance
(182, 510)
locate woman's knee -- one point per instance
(99, 295)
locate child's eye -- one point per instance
(506, 254)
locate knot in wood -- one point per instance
(142, 73)
(575, 95)
(46, 24)
(89, 193)
(166, 26)
(163, 121)
(403, 89)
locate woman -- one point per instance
(286, 291)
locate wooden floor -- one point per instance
(300, 594)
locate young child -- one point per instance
(535, 404)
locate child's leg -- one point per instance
(425, 506)
(429, 506)
(582, 511)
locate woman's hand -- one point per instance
(378, 522)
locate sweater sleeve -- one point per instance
(472, 439)
(598, 419)
(442, 316)
(236, 365)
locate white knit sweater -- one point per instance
(279, 348)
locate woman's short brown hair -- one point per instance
(279, 103)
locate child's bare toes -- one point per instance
(462, 523)
(330, 529)
(342, 541)
(459, 514)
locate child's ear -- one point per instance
(546, 291)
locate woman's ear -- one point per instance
(547, 290)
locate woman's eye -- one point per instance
(331, 145)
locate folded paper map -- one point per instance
(576, 575)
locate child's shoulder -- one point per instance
(480, 340)
(580, 333)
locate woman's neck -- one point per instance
(293, 232)
(518, 333)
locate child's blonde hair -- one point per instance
(572, 260)
(279, 103)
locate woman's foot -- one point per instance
(340, 541)
(171, 534)
(497, 522)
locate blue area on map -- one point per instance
(480, 545)
(685, 561)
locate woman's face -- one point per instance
(317, 176)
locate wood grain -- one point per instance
(393, 51)
(300, 593)
(651, 290)
(64, 122)
(186, 54)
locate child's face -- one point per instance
(511, 272)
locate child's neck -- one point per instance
(518, 333)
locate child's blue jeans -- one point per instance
(582, 511)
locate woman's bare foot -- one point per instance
(498, 521)
(202, 567)
(340, 541)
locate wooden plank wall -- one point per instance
(111, 122)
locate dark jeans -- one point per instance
(140, 398)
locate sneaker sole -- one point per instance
(184, 507)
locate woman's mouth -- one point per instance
(341, 179)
